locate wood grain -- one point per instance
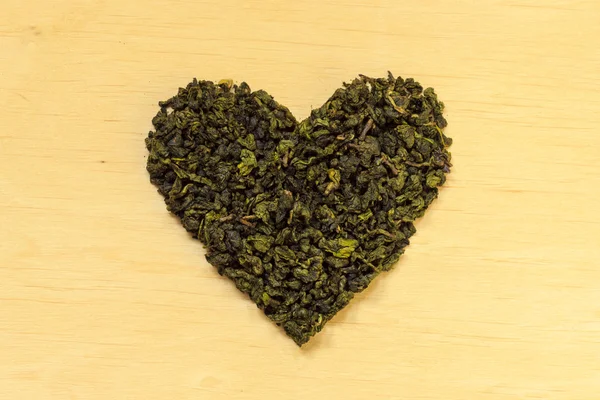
(105, 296)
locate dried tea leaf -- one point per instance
(300, 215)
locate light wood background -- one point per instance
(104, 296)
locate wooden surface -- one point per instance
(104, 296)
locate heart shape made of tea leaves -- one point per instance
(300, 215)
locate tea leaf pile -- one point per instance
(300, 215)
